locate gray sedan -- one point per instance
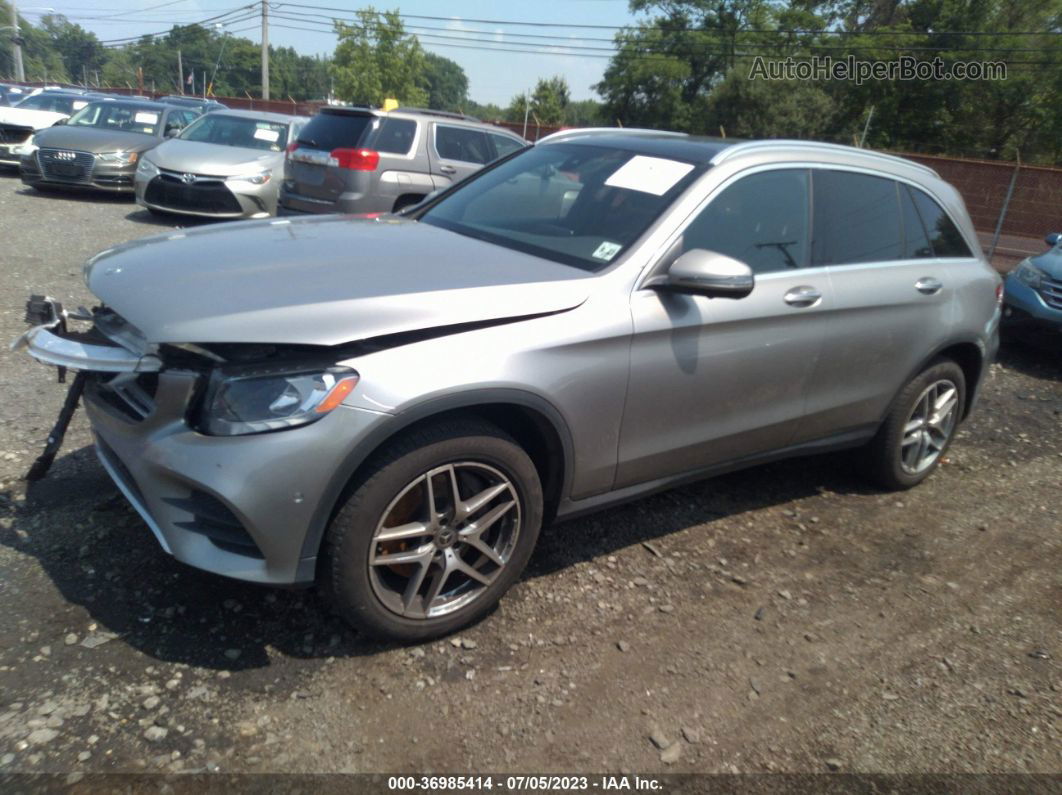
(228, 164)
(99, 146)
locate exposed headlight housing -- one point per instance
(120, 158)
(1028, 274)
(145, 168)
(260, 399)
(255, 178)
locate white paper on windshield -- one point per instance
(267, 135)
(79, 105)
(146, 118)
(655, 175)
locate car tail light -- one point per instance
(356, 159)
(291, 147)
(999, 294)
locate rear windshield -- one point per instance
(217, 128)
(123, 116)
(328, 131)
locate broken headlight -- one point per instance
(260, 399)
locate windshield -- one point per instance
(55, 103)
(125, 116)
(217, 128)
(579, 205)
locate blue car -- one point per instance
(1033, 290)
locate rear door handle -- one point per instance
(803, 296)
(927, 285)
(447, 170)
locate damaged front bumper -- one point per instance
(251, 507)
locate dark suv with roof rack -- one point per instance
(364, 160)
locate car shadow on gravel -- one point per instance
(102, 557)
(77, 195)
(1038, 356)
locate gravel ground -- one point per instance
(786, 618)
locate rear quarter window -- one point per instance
(395, 136)
(944, 236)
(328, 131)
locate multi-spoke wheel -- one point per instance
(438, 529)
(919, 427)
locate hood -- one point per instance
(24, 117)
(213, 159)
(1050, 263)
(323, 280)
(91, 139)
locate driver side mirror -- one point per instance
(1053, 238)
(709, 273)
(172, 131)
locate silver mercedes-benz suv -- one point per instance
(392, 408)
(362, 160)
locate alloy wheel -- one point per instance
(444, 539)
(929, 426)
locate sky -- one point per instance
(494, 76)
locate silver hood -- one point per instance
(218, 160)
(321, 281)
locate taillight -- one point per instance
(999, 294)
(356, 159)
(291, 147)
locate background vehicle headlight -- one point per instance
(27, 148)
(120, 158)
(1028, 274)
(145, 168)
(263, 399)
(256, 178)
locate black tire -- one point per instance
(883, 455)
(344, 573)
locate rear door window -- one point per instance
(944, 236)
(396, 136)
(857, 219)
(328, 131)
(462, 143)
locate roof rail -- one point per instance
(782, 143)
(429, 112)
(576, 131)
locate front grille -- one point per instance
(14, 133)
(1051, 290)
(131, 394)
(206, 195)
(65, 165)
(211, 518)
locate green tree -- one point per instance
(80, 50)
(547, 103)
(375, 59)
(446, 82)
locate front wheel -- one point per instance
(919, 427)
(434, 533)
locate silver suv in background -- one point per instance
(393, 407)
(361, 160)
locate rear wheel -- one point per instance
(435, 532)
(919, 427)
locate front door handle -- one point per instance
(803, 296)
(447, 170)
(927, 285)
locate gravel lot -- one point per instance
(786, 618)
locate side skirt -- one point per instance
(846, 440)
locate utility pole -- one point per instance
(180, 74)
(16, 44)
(265, 49)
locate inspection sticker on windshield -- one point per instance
(607, 250)
(655, 175)
(267, 135)
(146, 118)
